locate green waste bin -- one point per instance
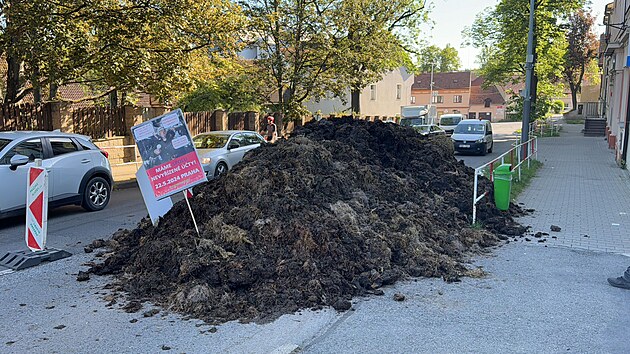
(502, 186)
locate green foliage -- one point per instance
(581, 51)
(442, 60)
(542, 108)
(317, 48)
(501, 33)
(237, 91)
(557, 106)
(156, 46)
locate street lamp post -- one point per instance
(431, 98)
(529, 66)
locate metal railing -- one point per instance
(518, 154)
(544, 128)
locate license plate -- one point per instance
(464, 146)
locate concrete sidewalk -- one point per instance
(581, 189)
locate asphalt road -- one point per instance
(70, 228)
(503, 138)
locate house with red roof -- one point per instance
(460, 92)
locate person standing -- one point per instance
(622, 281)
(271, 131)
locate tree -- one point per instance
(581, 51)
(443, 60)
(502, 34)
(150, 45)
(314, 49)
(235, 91)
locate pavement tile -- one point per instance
(581, 189)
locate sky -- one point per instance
(451, 16)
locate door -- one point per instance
(253, 140)
(68, 164)
(472, 115)
(13, 189)
(235, 155)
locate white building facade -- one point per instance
(381, 99)
(615, 84)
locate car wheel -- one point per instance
(491, 147)
(484, 151)
(221, 169)
(96, 194)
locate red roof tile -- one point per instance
(443, 81)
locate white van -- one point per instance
(472, 135)
(448, 122)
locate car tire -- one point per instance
(484, 151)
(96, 194)
(221, 169)
(491, 147)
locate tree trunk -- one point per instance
(37, 89)
(355, 98)
(113, 99)
(52, 94)
(574, 92)
(13, 76)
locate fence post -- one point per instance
(518, 156)
(529, 154)
(474, 218)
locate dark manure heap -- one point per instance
(338, 210)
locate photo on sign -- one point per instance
(168, 154)
(163, 140)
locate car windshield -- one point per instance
(210, 141)
(422, 128)
(449, 120)
(470, 128)
(408, 122)
(4, 143)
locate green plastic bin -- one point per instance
(502, 186)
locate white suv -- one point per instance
(78, 171)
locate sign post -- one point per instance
(36, 208)
(36, 225)
(169, 156)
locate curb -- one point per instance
(127, 184)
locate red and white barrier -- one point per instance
(36, 208)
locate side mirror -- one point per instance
(18, 160)
(233, 146)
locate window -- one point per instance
(31, 148)
(238, 139)
(62, 146)
(398, 91)
(413, 99)
(210, 141)
(3, 143)
(487, 102)
(87, 145)
(252, 138)
(457, 99)
(437, 99)
(373, 92)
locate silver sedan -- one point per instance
(219, 151)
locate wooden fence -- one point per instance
(200, 122)
(26, 117)
(99, 122)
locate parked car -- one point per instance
(448, 122)
(411, 122)
(472, 135)
(219, 151)
(78, 171)
(429, 130)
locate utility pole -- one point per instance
(529, 66)
(431, 99)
